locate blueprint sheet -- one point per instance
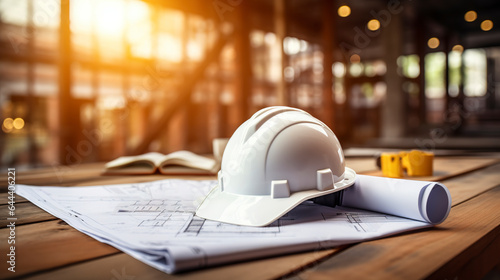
(154, 222)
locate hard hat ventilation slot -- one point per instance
(263, 116)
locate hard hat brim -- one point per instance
(259, 210)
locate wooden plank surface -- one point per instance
(470, 185)
(462, 188)
(361, 165)
(445, 168)
(56, 176)
(420, 254)
(283, 266)
(4, 199)
(42, 246)
(26, 213)
(81, 175)
(125, 265)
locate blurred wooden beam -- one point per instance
(328, 37)
(68, 113)
(394, 108)
(421, 44)
(183, 96)
(30, 81)
(280, 30)
(447, 97)
(239, 111)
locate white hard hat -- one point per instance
(277, 159)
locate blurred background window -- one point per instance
(91, 80)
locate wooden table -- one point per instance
(466, 245)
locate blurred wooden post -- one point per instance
(239, 111)
(126, 120)
(327, 41)
(68, 113)
(30, 81)
(447, 97)
(394, 107)
(421, 45)
(280, 30)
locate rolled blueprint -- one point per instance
(419, 200)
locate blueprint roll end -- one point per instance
(436, 203)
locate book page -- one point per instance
(140, 164)
(188, 159)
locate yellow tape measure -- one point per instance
(413, 163)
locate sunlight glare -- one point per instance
(81, 16)
(169, 48)
(194, 51)
(110, 18)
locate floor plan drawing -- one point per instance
(362, 222)
(155, 222)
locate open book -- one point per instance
(180, 162)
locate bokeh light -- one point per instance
(487, 25)
(433, 43)
(458, 48)
(470, 16)
(8, 123)
(18, 123)
(355, 58)
(344, 11)
(373, 25)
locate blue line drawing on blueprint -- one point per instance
(175, 215)
(362, 222)
(155, 223)
(199, 227)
